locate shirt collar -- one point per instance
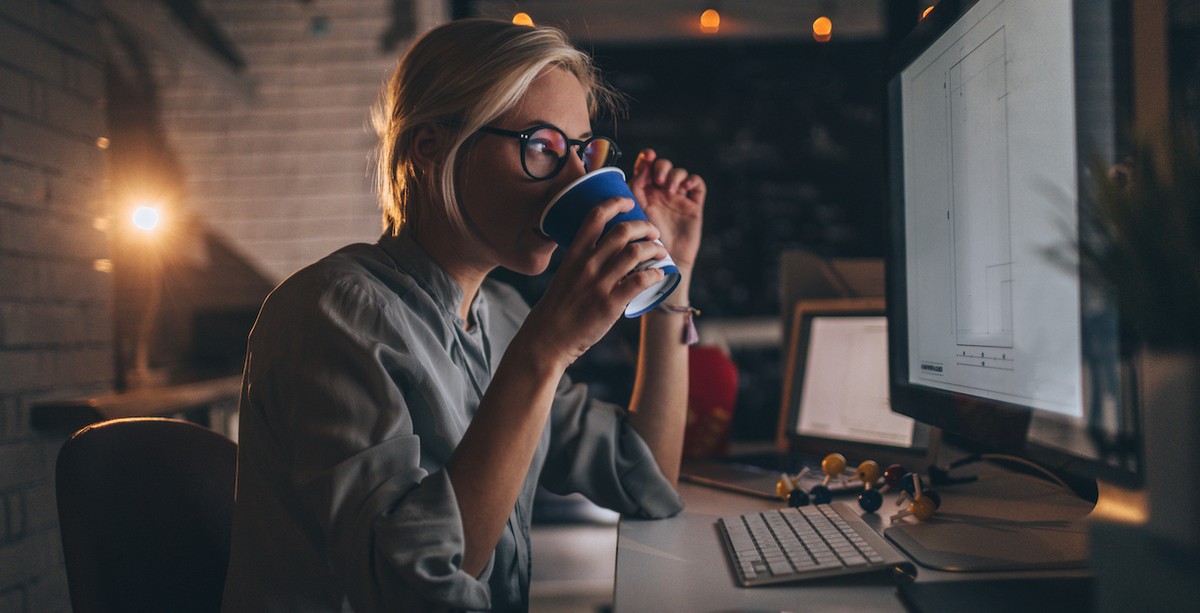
(411, 258)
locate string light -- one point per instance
(822, 29)
(925, 13)
(523, 19)
(710, 21)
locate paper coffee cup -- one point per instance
(565, 214)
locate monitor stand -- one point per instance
(1004, 521)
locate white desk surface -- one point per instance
(679, 564)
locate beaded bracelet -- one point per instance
(690, 336)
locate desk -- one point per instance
(678, 564)
(68, 415)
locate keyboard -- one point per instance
(793, 544)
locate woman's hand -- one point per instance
(674, 202)
(593, 284)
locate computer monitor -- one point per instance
(996, 109)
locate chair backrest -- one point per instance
(145, 507)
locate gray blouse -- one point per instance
(360, 380)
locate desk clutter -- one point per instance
(812, 537)
(922, 502)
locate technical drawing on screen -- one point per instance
(990, 187)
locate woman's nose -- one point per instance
(574, 167)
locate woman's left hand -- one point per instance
(673, 199)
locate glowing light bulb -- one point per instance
(523, 19)
(822, 29)
(925, 13)
(710, 21)
(146, 217)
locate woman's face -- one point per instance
(502, 205)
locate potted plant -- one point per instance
(1142, 242)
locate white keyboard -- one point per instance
(792, 544)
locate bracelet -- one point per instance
(690, 336)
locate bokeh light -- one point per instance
(822, 29)
(146, 217)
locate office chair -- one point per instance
(145, 507)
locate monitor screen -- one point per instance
(996, 108)
(844, 392)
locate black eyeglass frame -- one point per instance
(581, 145)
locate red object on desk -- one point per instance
(712, 392)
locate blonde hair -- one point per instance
(462, 75)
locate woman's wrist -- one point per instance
(674, 309)
(539, 356)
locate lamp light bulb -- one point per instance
(146, 217)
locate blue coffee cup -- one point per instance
(565, 214)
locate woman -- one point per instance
(399, 409)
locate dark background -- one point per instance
(789, 137)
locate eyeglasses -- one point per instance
(544, 150)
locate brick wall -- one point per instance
(277, 158)
(276, 163)
(55, 301)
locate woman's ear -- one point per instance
(428, 141)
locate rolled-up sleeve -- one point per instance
(341, 439)
(594, 451)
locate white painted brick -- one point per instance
(71, 29)
(84, 76)
(79, 189)
(36, 279)
(90, 8)
(27, 558)
(265, 54)
(29, 53)
(53, 324)
(15, 93)
(188, 120)
(13, 424)
(265, 10)
(49, 591)
(13, 599)
(6, 519)
(322, 74)
(19, 367)
(54, 236)
(39, 508)
(77, 281)
(23, 466)
(272, 98)
(39, 370)
(23, 186)
(267, 186)
(24, 12)
(71, 113)
(301, 143)
(34, 144)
